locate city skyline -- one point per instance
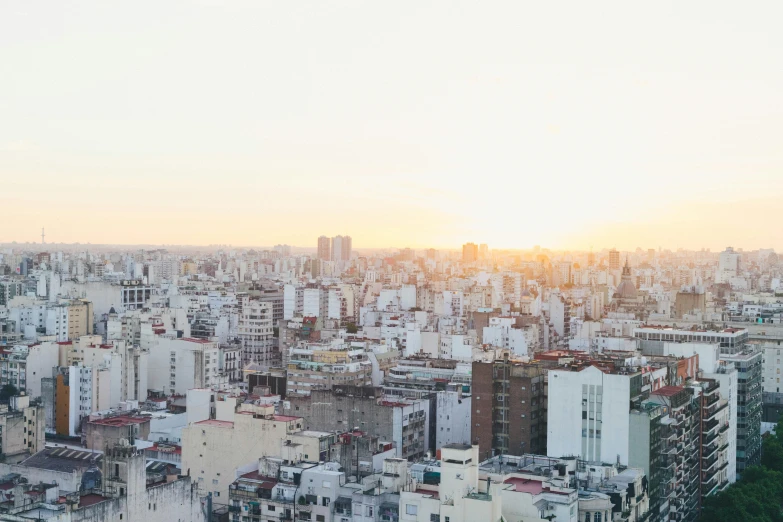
(539, 129)
(455, 249)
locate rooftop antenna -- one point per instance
(43, 236)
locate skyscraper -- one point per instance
(614, 259)
(347, 248)
(337, 248)
(728, 265)
(324, 248)
(469, 252)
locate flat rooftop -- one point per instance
(215, 423)
(668, 391)
(119, 421)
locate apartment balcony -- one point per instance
(711, 412)
(711, 483)
(707, 464)
(709, 451)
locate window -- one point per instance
(369, 511)
(411, 509)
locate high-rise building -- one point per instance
(469, 252)
(749, 367)
(728, 265)
(347, 249)
(509, 408)
(324, 248)
(614, 259)
(483, 251)
(342, 248)
(285, 250)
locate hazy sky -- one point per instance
(407, 123)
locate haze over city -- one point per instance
(413, 124)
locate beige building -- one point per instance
(22, 425)
(460, 496)
(80, 318)
(213, 449)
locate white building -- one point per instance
(588, 414)
(728, 266)
(177, 365)
(255, 332)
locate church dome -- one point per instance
(626, 289)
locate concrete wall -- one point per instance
(175, 501)
(453, 424)
(565, 426)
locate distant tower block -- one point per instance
(43, 237)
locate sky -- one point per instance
(408, 123)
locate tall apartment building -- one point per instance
(614, 260)
(293, 301)
(714, 441)
(255, 333)
(509, 408)
(588, 412)
(347, 250)
(342, 248)
(749, 368)
(682, 450)
(314, 302)
(9, 290)
(728, 265)
(324, 248)
(469, 253)
(68, 398)
(648, 429)
(276, 299)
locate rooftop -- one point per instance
(455, 446)
(62, 459)
(121, 420)
(693, 328)
(285, 418)
(668, 391)
(522, 485)
(215, 423)
(90, 499)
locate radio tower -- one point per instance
(43, 242)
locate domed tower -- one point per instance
(626, 289)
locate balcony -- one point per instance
(706, 464)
